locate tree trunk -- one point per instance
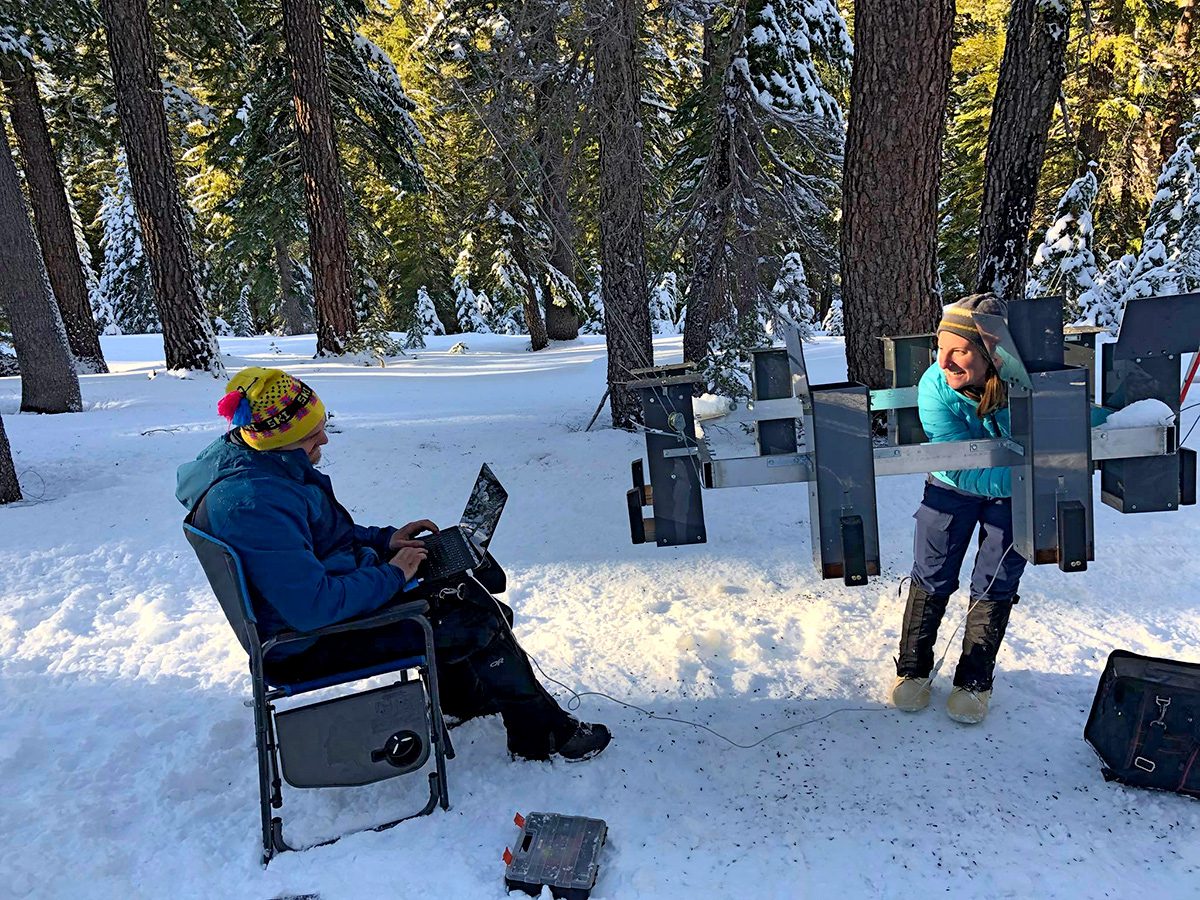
(615, 30)
(553, 125)
(1031, 75)
(324, 201)
(1183, 79)
(709, 260)
(898, 90)
(188, 338)
(535, 280)
(706, 277)
(48, 380)
(51, 214)
(291, 303)
(10, 488)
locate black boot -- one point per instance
(918, 634)
(986, 623)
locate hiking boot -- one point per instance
(910, 693)
(582, 741)
(968, 705)
(587, 741)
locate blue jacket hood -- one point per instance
(224, 458)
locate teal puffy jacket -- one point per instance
(947, 415)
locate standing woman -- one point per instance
(960, 398)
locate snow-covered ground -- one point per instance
(126, 756)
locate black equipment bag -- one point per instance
(1145, 723)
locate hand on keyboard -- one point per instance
(408, 560)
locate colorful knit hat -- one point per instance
(272, 408)
(957, 318)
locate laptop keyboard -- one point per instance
(448, 554)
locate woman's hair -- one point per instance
(993, 395)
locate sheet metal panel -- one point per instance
(1051, 421)
(843, 482)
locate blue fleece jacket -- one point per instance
(307, 563)
(947, 415)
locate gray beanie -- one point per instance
(957, 318)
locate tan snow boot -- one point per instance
(911, 694)
(968, 706)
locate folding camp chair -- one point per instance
(347, 741)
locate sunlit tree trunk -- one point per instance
(1031, 74)
(48, 380)
(325, 203)
(188, 338)
(615, 33)
(898, 91)
(51, 213)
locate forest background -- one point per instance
(552, 167)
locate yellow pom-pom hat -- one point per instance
(271, 408)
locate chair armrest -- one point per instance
(389, 616)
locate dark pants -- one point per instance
(946, 521)
(480, 666)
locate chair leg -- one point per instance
(442, 748)
(265, 748)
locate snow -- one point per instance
(127, 756)
(1140, 414)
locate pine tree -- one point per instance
(1065, 264)
(466, 303)
(791, 296)
(767, 177)
(1168, 261)
(128, 304)
(49, 383)
(593, 319)
(1030, 77)
(10, 487)
(242, 323)
(665, 305)
(890, 185)
(188, 340)
(833, 326)
(425, 320)
(51, 209)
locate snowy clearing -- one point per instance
(127, 756)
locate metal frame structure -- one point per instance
(1053, 450)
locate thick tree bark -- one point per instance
(51, 213)
(1031, 75)
(291, 303)
(554, 124)
(898, 90)
(324, 200)
(48, 380)
(188, 337)
(708, 261)
(1183, 80)
(615, 31)
(10, 488)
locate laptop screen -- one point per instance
(484, 507)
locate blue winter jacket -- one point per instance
(307, 563)
(947, 415)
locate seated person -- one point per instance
(309, 565)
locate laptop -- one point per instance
(461, 548)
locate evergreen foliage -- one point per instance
(791, 296)
(124, 271)
(1064, 264)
